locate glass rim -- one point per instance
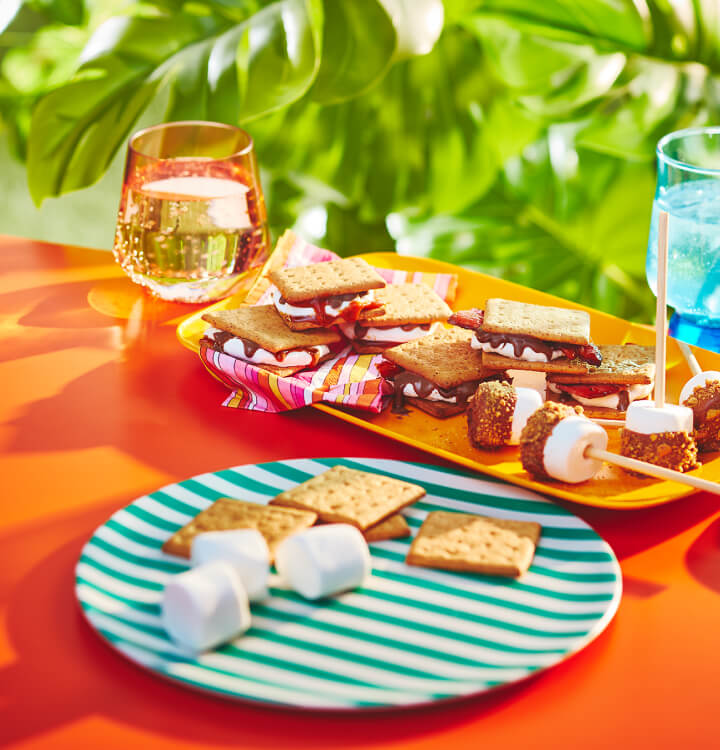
(199, 123)
(684, 133)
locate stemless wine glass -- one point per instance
(688, 188)
(192, 221)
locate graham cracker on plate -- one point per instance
(475, 544)
(344, 495)
(406, 304)
(542, 322)
(621, 363)
(344, 276)
(273, 523)
(444, 357)
(393, 527)
(263, 325)
(496, 362)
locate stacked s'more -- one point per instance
(550, 349)
(312, 304)
(437, 373)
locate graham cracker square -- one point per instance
(406, 304)
(621, 363)
(263, 325)
(344, 276)
(344, 495)
(393, 527)
(444, 357)
(542, 322)
(474, 544)
(273, 523)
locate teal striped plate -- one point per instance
(409, 636)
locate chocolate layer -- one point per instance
(322, 319)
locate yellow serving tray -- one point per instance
(447, 438)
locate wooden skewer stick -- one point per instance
(661, 310)
(690, 358)
(609, 422)
(660, 472)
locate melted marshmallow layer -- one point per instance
(611, 400)
(394, 335)
(328, 310)
(293, 358)
(508, 350)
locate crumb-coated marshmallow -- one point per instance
(698, 381)
(245, 549)
(323, 560)
(646, 418)
(528, 401)
(564, 453)
(205, 606)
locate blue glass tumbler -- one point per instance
(688, 188)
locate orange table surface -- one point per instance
(101, 404)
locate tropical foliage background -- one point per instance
(512, 136)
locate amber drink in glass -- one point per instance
(192, 225)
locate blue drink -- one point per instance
(688, 188)
(693, 250)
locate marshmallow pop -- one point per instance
(497, 413)
(660, 435)
(554, 443)
(702, 394)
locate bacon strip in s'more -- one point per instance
(437, 373)
(411, 311)
(627, 374)
(257, 334)
(322, 294)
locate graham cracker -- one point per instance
(476, 544)
(273, 523)
(344, 495)
(409, 303)
(496, 362)
(344, 276)
(594, 412)
(263, 325)
(444, 357)
(393, 527)
(542, 322)
(438, 409)
(621, 363)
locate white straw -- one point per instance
(661, 311)
(690, 358)
(642, 467)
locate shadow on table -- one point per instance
(703, 557)
(63, 672)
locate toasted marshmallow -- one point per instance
(646, 418)
(324, 560)
(697, 381)
(528, 401)
(205, 606)
(245, 549)
(564, 452)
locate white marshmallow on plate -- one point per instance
(699, 380)
(529, 379)
(245, 549)
(564, 452)
(205, 606)
(646, 418)
(528, 401)
(323, 560)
